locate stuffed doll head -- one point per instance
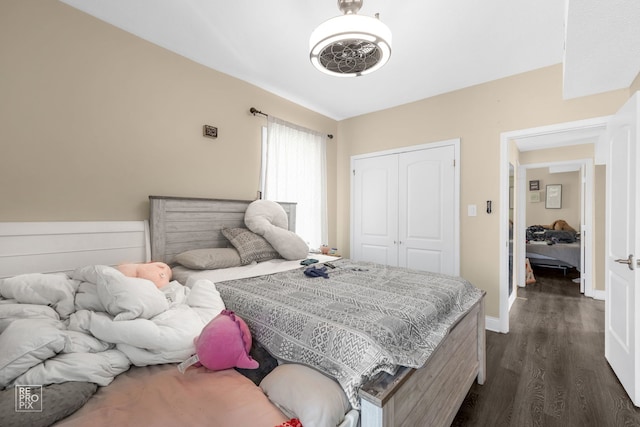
(158, 272)
(223, 343)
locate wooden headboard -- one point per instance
(53, 247)
(178, 224)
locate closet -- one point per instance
(405, 207)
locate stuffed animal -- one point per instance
(268, 219)
(158, 272)
(560, 224)
(223, 343)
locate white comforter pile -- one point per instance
(96, 322)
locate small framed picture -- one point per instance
(554, 197)
(534, 197)
(534, 185)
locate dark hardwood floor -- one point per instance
(549, 370)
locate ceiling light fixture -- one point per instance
(350, 45)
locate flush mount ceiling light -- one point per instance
(350, 45)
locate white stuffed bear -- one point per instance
(269, 220)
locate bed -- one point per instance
(407, 396)
(550, 248)
(157, 394)
(558, 255)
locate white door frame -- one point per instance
(505, 137)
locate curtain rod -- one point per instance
(255, 111)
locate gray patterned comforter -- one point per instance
(364, 319)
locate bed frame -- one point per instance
(179, 224)
(53, 247)
(561, 256)
(429, 396)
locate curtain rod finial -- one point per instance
(255, 111)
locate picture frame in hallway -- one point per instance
(534, 196)
(553, 196)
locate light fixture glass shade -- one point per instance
(350, 45)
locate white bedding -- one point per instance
(96, 322)
(188, 276)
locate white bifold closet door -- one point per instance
(404, 209)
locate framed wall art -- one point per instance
(534, 196)
(554, 196)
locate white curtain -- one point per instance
(295, 171)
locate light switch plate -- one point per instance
(472, 210)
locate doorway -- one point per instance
(588, 131)
(577, 176)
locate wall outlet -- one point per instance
(210, 131)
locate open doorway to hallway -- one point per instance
(563, 141)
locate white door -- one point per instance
(405, 209)
(427, 208)
(622, 306)
(375, 210)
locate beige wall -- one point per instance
(93, 120)
(538, 214)
(477, 115)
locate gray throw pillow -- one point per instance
(249, 245)
(209, 259)
(58, 402)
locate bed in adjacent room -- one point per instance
(547, 247)
(559, 255)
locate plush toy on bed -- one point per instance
(560, 224)
(269, 220)
(224, 343)
(158, 272)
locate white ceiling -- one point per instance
(438, 45)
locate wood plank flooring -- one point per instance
(549, 370)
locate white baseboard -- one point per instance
(492, 324)
(598, 294)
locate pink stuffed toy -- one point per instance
(223, 343)
(158, 272)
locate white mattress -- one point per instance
(187, 276)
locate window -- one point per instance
(294, 170)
